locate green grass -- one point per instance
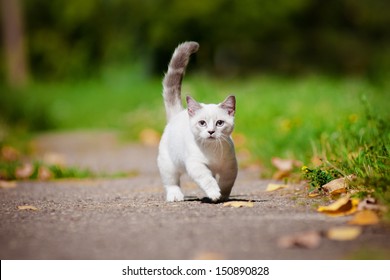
(289, 117)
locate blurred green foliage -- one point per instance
(74, 39)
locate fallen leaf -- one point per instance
(365, 217)
(285, 164)
(273, 187)
(27, 207)
(7, 184)
(370, 203)
(281, 174)
(238, 204)
(9, 153)
(150, 137)
(341, 207)
(309, 240)
(24, 171)
(339, 185)
(44, 173)
(343, 233)
(314, 193)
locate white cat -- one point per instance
(195, 141)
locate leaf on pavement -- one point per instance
(341, 207)
(339, 185)
(344, 233)
(273, 187)
(44, 173)
(27, 207)
(314, 193)
(309, 240)
(365, 217)
(7, 184)
(370, 203)
(238, 204)
(24, 171)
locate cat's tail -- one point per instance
(173, 78)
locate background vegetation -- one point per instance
(299, 69)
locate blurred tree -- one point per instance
(14, 43)
(73, 38)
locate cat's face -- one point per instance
(211, 122)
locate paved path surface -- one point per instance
(127, 218)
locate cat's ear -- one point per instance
(192, 106)
(229, 104)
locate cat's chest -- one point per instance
(220, 159)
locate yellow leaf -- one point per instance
(365, 217)
(238, 204)
(27, 207)
(7, 184)
(273, 187)
(343, 233)
(341, 207)
(314, 193)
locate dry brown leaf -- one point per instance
(27, 207)
(365, 217)
(9, 153)
(343, 233)
(285, 164)
(341, 207)
(238, 204)
(339, 185)
(370, 203)
(7, 184)
(25, 171)
(150, 137)
(273, 187)
(44, 173)
(309, 240)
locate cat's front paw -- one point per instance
(214, 195)
(174, 194)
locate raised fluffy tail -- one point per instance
(174, 76)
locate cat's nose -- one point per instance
(211, 132)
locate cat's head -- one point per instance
(210, 122)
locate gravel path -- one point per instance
(127, 218)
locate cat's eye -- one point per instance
(202, 123)
(220, 123)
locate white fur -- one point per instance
(188, 147)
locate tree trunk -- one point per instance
(14, 43)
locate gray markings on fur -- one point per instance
(173, 78)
